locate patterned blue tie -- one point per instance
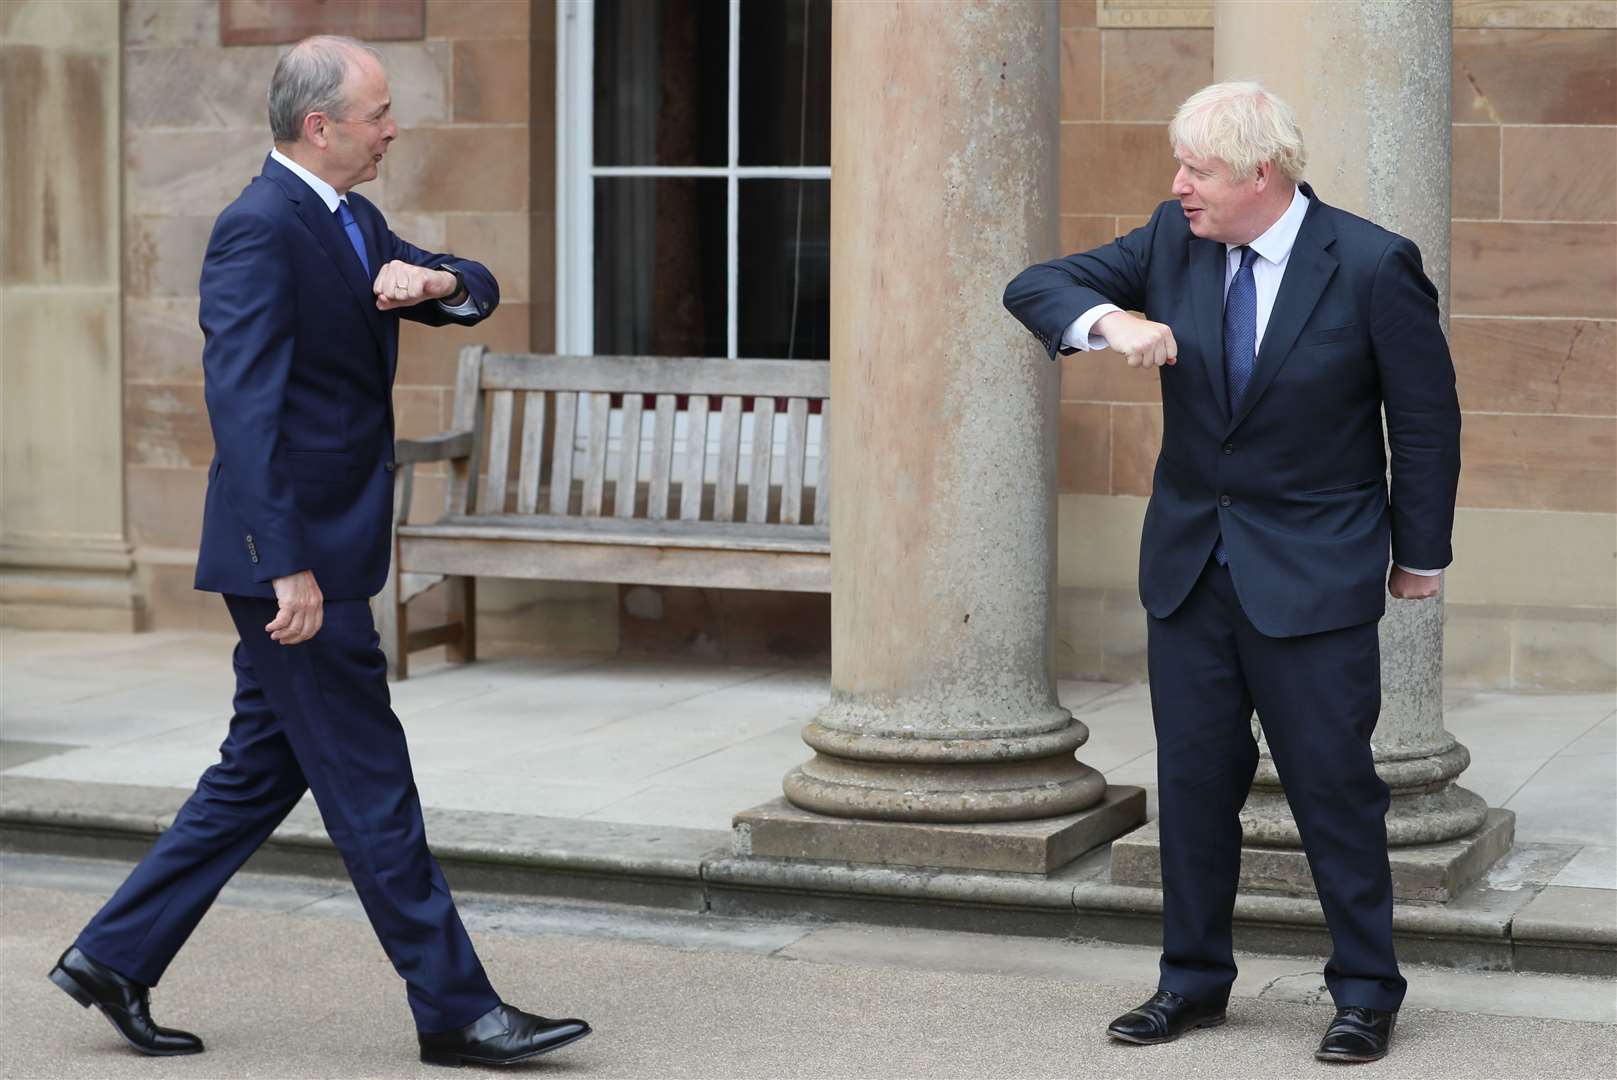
(1240, 345)
(1241, 330)
(357, 238)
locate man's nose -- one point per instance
(1181, 186)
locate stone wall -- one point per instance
(1534, 301)
(64, 559)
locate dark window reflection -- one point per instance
(783, 297)
(661, 82)
(785, 82)
(659, 266)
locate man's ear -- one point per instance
(316, 129)
(1265, 173)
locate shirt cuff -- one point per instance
(1419, 573)
(467, 306)
(1079, 335)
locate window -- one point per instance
(694, 178)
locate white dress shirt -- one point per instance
(1274, 251)
(329, 196)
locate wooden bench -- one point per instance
(581, 517)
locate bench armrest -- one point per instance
(445, 447)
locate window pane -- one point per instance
(783, 297)
(786, 82)
(659, 266)
(661, 93)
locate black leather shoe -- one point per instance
(1357, 1034)
(499, 1037)
(1164, 1018)
(125, 1003)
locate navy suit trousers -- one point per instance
(314, 716)
(1318, 697)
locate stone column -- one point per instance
(1370, 81)
(64, 557)
(943, 442)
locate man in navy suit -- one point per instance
(302, 290)
(1281, 329)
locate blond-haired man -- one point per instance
(1281, 329)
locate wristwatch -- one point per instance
(460, 281)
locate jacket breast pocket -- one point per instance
(320, 466)
(1328, 336)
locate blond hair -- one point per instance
(1242, 125)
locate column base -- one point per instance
(780, 830)
(1424, 872)
(65, 599)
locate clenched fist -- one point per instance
(398, 284)
(1146, 344)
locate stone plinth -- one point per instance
(779, 830)
(1437, 871)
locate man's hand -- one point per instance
(302, 608)
(1146, 344)
(1406, 586)
(398, 284)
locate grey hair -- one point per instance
(1242, 125)
(309, 78)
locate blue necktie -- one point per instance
(1240, 330)
(1240, 345)
(357, 238)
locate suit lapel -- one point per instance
(1207, 299)
(1309, 269)
(328, 231)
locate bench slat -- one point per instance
(780, 571)
(549, 529)
(468, 414)
(492, 498)
(533, 451)
(561, 458)
(822, 484)
(657, 375)
(763, 456)
(629, 456)
(595, 458)
(690, 492)
(662, 456)
(791, 492)
(724, 492)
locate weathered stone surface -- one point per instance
(1535, 269)
(779, 830)
(1500, 365)
(1437, 872)
(1085, 461)
(1149, 72)
(1475, 178)
(1114, 168)
(1549, 174)
(1539, 462)
(1535, 76)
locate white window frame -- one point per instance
(576, 173)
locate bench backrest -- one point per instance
(556, 396)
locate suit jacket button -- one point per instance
(1229, 448)
(1223, 500)
(390, 466)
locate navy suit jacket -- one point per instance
(298, 365)
(1295, 479)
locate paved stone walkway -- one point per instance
(684, 745)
